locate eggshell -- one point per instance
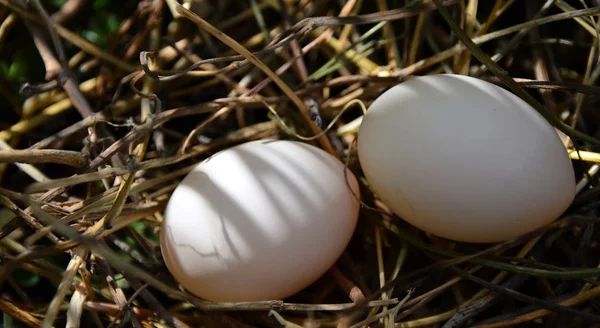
(464, 159)
(258, 221)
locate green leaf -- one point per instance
(18, 68)
(125, 256)
(10, 322)
(3, 70)
(130, 241)
(58, 3)
(139, 227)
(91, 36)
(97, 279)
(153, 238)
(113, 23)
(26, 279)
(101, 4)
(121, 281)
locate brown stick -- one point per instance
(19, 314)
(68, 10)
(66, 157)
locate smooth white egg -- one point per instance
(259, 221)
(464, 159)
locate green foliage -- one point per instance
(125, 256)
(121, 281)
(58, 3)
(25, 64)
(101, 4)
(101, 27)
(3, 70)
(141, 228)
(19, 68)
(10, 322)
(26, 279)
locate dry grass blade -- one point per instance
(75, 310)
(484, 298)
(156, 305)
(307, 25)
(251, 132)
(575, 300)
(325, 143)
(140, 130)
(508, 80)
(118, 263)
(214, 74)
(440, 56)
(559, 308)
(78, 257)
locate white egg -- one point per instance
(464, 159)
(259, 221)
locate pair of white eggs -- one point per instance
(455, 156)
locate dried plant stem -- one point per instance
(517, 38)
(478, 259)
(499, 8)
(67, 11)
(17, 313)
(508, 80)
(295, 47)
(328, 33)
(594, 292)
(72, 158)
(470, 17)
(28, 169)
(188, 140)
(325, 143)
(78, 257)
(555, 307)
(350, 288)
(381, 269)
(38, 101)
(584, 155)
(437, 58)
(249, 132)
(138, 155)
(416, 40)
(128, 268)
(75, 310)
(367, 65)
(481, 299)
(35, 121)
(584, 22)
(427, 321)
(107, 216)
(390, 37)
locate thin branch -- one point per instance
(67, 157)
(304, 27)
(325, 143)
